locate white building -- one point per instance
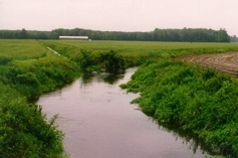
(74, 37)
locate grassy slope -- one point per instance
(28, 70)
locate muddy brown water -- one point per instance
(99, 122)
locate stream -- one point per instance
(99, 122)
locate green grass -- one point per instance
(137, 48)
(21, 49)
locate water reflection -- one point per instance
(87, 79)
(191, 140)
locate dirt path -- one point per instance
(52, 50)
(224, 62)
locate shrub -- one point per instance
(24, 132)
(112, 62)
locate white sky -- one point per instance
(119, 15)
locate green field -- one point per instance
(136, 48)
(21, 49)
(28, 69)
(133, 53)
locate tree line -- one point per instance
(178, 35)
(234, 38)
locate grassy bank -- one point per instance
(192, 99)
(28, 70)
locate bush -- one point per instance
(35, 76)
(112, 62)
(23, 130)
(87, 61)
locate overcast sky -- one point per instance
(119, 15)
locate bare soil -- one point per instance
(224, 62)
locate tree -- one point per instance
(23, 34)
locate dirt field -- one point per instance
(224, 62)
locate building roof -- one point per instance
(73, 37)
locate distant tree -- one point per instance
(234, 38)
(23, 34)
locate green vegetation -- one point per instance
(20, 50)
(134, 53)
(24, 131)
(190, 98)
(28, 70)
(234, 38)
(196, 100)
(139, 48)
(112, 62)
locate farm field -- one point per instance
(224, 62)
(137, 48)
(21, 49)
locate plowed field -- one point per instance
(224, 62)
